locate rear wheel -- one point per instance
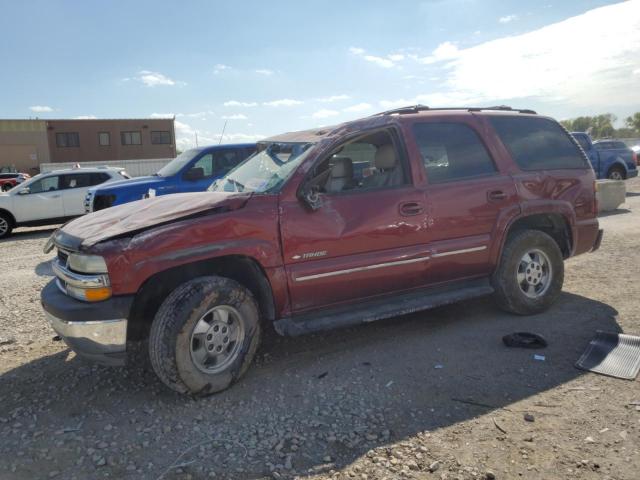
(6, 187)
(616, 173)
(531, 272)
(204, 335)
(6, 225)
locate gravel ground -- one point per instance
(429, 395)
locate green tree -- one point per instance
(633, 122)
(599, 126)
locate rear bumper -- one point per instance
(96, 331)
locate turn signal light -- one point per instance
(97, 294)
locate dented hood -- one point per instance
(136, 216)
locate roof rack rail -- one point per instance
(419, 108)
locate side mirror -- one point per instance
(194, 173)
(311, 197)
(311, 192)
(24, 191)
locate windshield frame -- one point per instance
(265, 148)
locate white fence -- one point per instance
(135, 168)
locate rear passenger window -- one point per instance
(538, 143)
(98, 178)
(451, 151)
(76, 180)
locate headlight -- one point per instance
(87, 263)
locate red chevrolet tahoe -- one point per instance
(394, 213)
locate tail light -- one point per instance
(635, 158)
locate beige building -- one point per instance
(25, 144)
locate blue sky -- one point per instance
(268, 67)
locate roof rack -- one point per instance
(421, 108)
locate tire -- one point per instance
(514, 274)
(616, 173)
(6, 225)
(6, 187)
(176, 349)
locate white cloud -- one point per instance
(359, 107)
(507, 18)
(41, 109)
(235, 103)
(154, 79)
(220, 67)
(444, 51)
(333, 98)
(380, 61)
(85, 117)
(636, 71)
(285, 102)
(162, 115)
(542, 66)
(385, 62)
(265, 71)
(236, 116)
(324, 113)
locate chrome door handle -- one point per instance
(411, 208)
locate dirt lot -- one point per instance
(429, 395)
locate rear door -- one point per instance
(466, 193)
(368, 236)
(74, 188)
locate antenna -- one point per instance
(222, 134)
(196, 138)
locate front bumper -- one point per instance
(97, 331)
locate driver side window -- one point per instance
(369, 162)
(48, 184)
(206, 164)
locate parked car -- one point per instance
(191, 171)
(10, 180)
(395, 213)
(609, 158)
(51, 198)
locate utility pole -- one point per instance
(223, 129)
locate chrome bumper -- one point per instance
(103, 341)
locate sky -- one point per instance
(269, 67)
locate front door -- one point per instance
(43, 200)
(367, 238)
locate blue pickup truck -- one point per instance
(192, 171)
(609, 158)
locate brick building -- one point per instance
(25, 144)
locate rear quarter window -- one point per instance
(538, 143)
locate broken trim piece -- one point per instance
(360, 269)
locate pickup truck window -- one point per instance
(451, 151)
(583, 142)
(266, 171)
(538, 143)
(175, 165)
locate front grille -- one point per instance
(100, 202)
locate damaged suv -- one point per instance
(395, 213)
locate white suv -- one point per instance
(52, 197)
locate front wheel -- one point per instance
(530, 274)
(6, 225)
(204, 336)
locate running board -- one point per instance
(380, 308)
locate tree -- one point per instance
(599, 126)
(634, 122)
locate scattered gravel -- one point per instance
(414, 397)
